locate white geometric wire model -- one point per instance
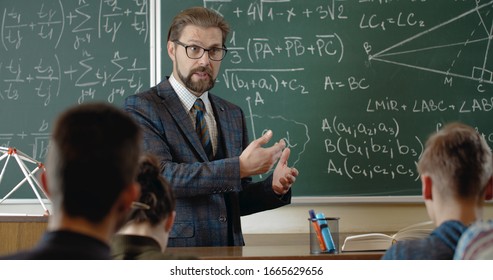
(29, 175)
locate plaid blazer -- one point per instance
(210, 196)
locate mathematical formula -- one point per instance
(55, 54)
(77, 64)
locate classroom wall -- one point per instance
(354, 217)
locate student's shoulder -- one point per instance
(409, 249)
(476, 242)
(138, 101)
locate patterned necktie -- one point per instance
(201, 127)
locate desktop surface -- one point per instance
(268, 252)
(271, 247)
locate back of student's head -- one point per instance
(92, 158)
(157, 201)
(459, 161)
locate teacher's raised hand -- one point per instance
(255, 159)
(284, 176)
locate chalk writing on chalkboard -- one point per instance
(55, 54)
(355, 87)
(460, 66)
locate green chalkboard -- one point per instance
(55, 54)
(355, 87)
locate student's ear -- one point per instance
(135, 192)
(488, 193)
(169, 222)
(44, 183)
(131, 194)
(426, 184)
(46, 191)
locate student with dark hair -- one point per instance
(90, 178)
(456, 178)
(145, 234)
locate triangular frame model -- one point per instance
(29, 175)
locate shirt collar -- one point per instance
(186, 97)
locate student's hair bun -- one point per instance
(155, 192)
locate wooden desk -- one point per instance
(20, 232)
(268, 252)
(271, 247)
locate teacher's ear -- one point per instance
(488, 192)
(171, 47)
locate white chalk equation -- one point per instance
(282, 10)
(418, 106)
(76, 52)
(48, 21)
(261, 49)
(270, 80)
(34, 143)
(370, 149)
(55, 54)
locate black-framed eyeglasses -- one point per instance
(196, 52)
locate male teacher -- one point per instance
(201, 140)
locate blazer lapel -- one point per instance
(224, 124)
(175, 108)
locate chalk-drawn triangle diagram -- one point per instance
(459, 47)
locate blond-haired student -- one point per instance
(456, 178)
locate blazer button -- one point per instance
(222, 219)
